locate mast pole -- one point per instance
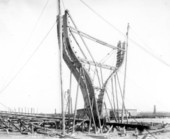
(60, 64)
(124, 85)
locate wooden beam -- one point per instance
(85, 61)
(94, 39)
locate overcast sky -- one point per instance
(29, 76)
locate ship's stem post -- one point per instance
(60, 63)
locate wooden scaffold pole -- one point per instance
(124, 84)
(60, 64)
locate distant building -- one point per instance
(154, 109)
(127, 112)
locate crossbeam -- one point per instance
(85, 61)
(94, 39)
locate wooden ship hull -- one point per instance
(96, 122)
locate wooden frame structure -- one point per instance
(93, 105)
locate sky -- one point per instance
(29, 67)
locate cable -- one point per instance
(5, 106)
(103, 18)
(36, 23)
(33, 30)
(27, 61)
(139, 38)
(136, 43)
(63, 4)
(150, 53)
(103, 60)
(38, 19)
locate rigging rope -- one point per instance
(27, 42)
(104, 59)
(39, 17)
(134, 42)
(63, 4)
(36, 23)
(27, 61)
(33, 29)
(101, 17)
(150, 53)
(6, 106)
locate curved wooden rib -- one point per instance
(119, 62)
(78, 70)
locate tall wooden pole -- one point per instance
(60, 63)
(70, 101)
(114, 105)
(117, 111)
(124, 85)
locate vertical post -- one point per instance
(117, 110)
(60, 64)
(154, 109)
(77, 92)
(55, 111)
(124, 85)
(75, 109)
(90, 104)
(114, 105)
(71, 106)
(70, 101)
